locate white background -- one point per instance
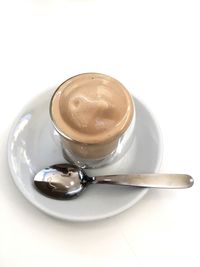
(153, 48)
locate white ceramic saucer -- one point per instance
(32, 146)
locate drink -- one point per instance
(91, 112)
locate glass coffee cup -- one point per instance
(94, 116)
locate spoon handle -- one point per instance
(154, 180)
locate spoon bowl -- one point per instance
(61, 181)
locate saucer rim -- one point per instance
(49, 212)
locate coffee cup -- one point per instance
(94, 116)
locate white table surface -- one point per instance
(153, 48)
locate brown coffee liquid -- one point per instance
(92, 108)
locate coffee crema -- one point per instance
(91, 108)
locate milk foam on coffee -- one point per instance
(91, 108)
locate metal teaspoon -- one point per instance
(65, 181)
